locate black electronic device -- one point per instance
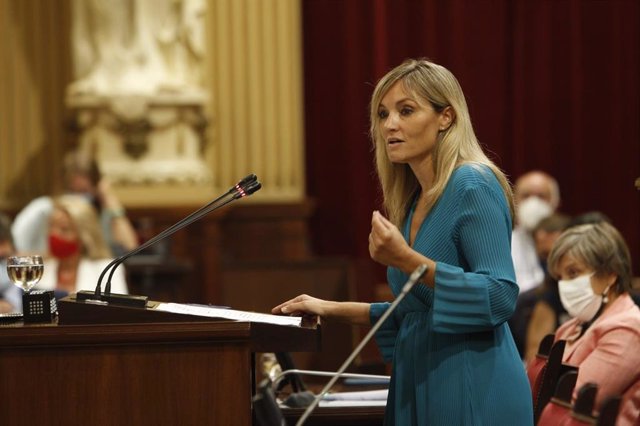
(39, 306)
(11, 317)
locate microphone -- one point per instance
(413, 279)
(245, 187)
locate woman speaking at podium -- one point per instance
(453, 358)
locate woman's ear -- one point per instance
(447, 116)
(611, 279)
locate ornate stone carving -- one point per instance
(137, 98)
(142, 140)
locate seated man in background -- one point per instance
(10, 295)
(593, 266)
(80, 176)
(537, 196)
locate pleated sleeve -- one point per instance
(483, 294)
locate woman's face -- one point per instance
(569, 268)
(61, 225)
(409, 126)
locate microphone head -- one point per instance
(252, 187)
(243, 191)
(247, 180)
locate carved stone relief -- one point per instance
(137, 100)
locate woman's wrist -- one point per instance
(116, 212)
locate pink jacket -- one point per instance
(608, 354)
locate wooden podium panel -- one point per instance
(181, 373)
(337, 416)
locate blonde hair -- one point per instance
(455, 146)
(85, 219)
(600, 247)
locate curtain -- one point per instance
(551, 85)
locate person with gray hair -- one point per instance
(593, 266)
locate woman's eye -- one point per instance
(572, 273)
(383, 114)
(406, 111)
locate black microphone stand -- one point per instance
(413, 278)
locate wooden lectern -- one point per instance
(109, 365)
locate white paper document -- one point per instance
(358, 403)
(371, 395)
(230, 314)
(373, 398)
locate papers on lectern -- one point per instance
(225, 313)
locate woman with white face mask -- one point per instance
(593, 268)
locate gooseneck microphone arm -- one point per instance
(243, 188)
(413, 278)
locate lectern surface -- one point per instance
(165, 373)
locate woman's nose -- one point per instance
(391, 122)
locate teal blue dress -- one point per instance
(454, 361)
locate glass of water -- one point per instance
(25, 271)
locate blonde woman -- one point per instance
(77, 248)
(453, 358)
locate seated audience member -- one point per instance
(10, 295)
(80, 176)
(547, 313)
(593, 266)
(78, 251)
(536, 195)
(589, 217)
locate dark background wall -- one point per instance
(551, 85)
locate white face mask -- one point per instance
(578, 298)
(531, 211)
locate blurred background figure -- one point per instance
(9, 293)
(537, 196)
(590, 217)
(80, 176)
(77, 249)
(545, 311)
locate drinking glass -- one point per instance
(25, 271)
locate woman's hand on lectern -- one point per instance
(302, 305)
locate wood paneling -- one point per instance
(140, 374)
(34, 46)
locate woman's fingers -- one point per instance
(278, 309)
(382, 221)
(298, 305)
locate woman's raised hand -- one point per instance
(386, 243)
